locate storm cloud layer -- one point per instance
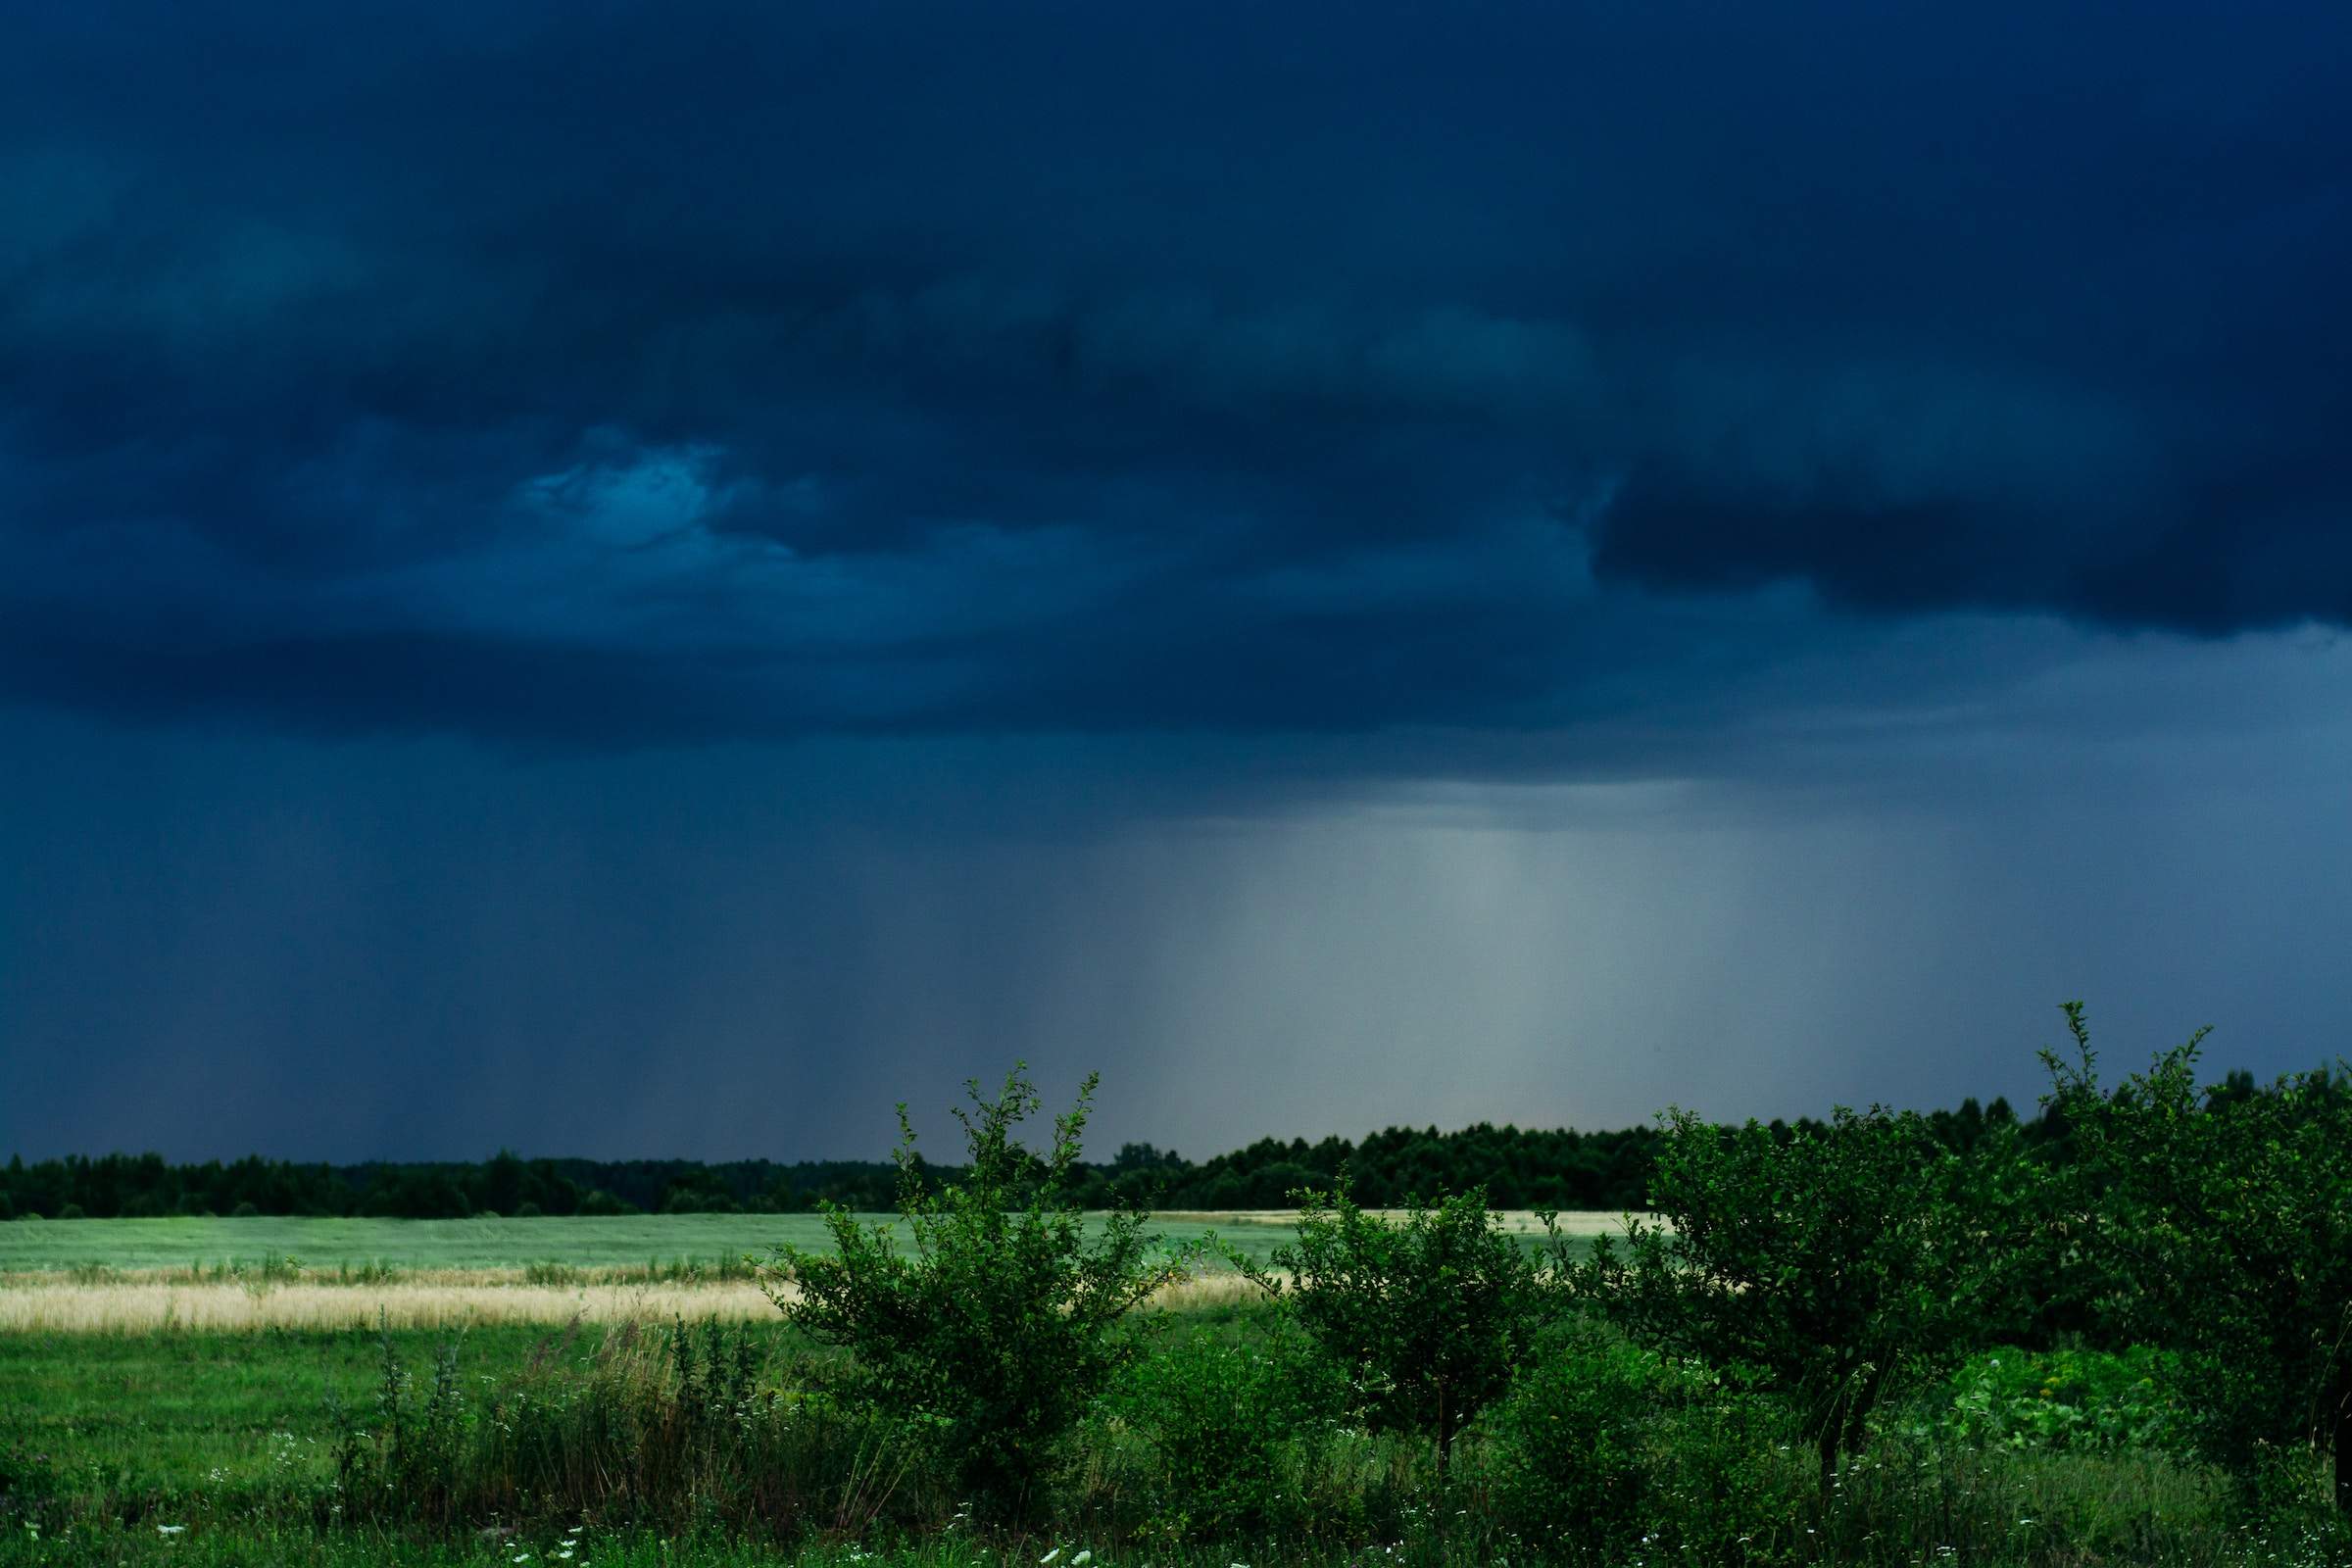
(608, 374)
(649, 580)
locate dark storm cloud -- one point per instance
(568, 372)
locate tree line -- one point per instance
(1517, 1167)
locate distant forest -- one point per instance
(1520, 1168)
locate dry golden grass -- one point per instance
(1516, 1221)
(442, 1299)
(133, 1307)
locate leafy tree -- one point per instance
(992, 1338)
(1824, 1262)
(2221, 1222)
(1425, 1317)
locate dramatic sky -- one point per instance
(650, 580)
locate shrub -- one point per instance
(1606, 1452)
(1424, 1318)
(245, 1210)
(2064, 1399)
(1824, 1265)
(1570, 1467)
(1217, 1417)
(991, 1340)
(2222, 1218)
(71, 1212)
(1726, 1481)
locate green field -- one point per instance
(218, 1413)
(206, 1449)
(634, 1240)
(184, 1445)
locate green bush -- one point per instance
(1423, 1318)
(245, 1210)
(1729, 1478)
(990, 1341)
(1826, 1265)
(2222, 1217)
(1607, 1452)
(1570, 1466)
(1217, 1416)
(2070, 1399)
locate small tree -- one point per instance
(1822, 1263)
(1426, 1317)
(989, 1339)
(2221, 1221)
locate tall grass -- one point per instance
(1218, 1448)
(672, 1428)
(127, 1307)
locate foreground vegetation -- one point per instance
(1849, 1341)
(1219, 1444)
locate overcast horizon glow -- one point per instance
(652, 583)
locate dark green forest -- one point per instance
(1519, 1168)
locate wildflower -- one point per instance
(169, 1530)
(1049, 1557)
(1082, 1559)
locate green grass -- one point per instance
(210, 1434)
(190, 1412)
(633, 1240)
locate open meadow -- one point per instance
(136, 1275)
(193, 1446)
(655, 1242)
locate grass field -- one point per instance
(194, 1447)
(209, 1437)
(187, 1411)
(143, 1275)
(329, 1244)
(659, 1245)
